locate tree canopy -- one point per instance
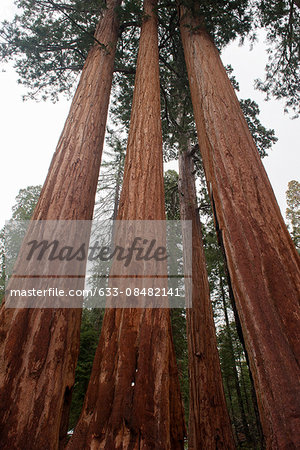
(48, 41)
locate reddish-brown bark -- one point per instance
(209, 422)
(133, 398)
(39, 347)
(263, 264)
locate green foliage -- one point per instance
(263, 138)
(89, 334)
(235, 370)
(215, 267)
(26, 201)
(178, 316)
(110, 179)
(281, 20)
(224, 20)
(178, 322)
(13, 231)
(293, 211)
(171, 195)
(126, 57)
(176, 105)
(48, 43)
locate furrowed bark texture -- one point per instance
(263, 263)
(209, 422)
(133, 398)
(39, 347)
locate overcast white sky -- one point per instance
(30, 130)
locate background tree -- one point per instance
(26, 201)
(244, 205)
(111, 178)
(31, 372)
(91, 323)
(293, 211)
(209, 423)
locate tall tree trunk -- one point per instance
(209, 423)
(263, 263)
(133, 398)
(39, 347)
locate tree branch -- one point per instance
(132, 23)
(168, 65)
(103, 46)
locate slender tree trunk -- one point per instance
(231, 409)
(39, 347)
(209, 424)
(244, 387)
(117, 193)
(133, 399)
(263, 263)
(117, 197)
(234, 369)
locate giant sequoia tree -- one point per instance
(133, 398)
(263, 263)
(39, 347)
